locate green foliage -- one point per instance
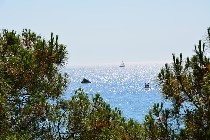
(94, 119)
(186, 84)
(157, 123)
(29, 78)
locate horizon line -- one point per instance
(117, 63)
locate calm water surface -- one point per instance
(120, 87)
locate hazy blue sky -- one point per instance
(109, 31)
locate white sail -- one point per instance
(122, 64)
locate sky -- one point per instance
(109, 31)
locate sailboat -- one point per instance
(122, 64)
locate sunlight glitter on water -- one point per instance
(120, 87)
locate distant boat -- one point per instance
(147, 86)
(85, 81)
(122, 64)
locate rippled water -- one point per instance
(120, 87)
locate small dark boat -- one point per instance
(147, 86)
(85, 81)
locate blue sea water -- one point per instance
(121, 87)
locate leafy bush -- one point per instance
(29, 78)
(94, 119)
(186, 84)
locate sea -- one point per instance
(121, 87)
